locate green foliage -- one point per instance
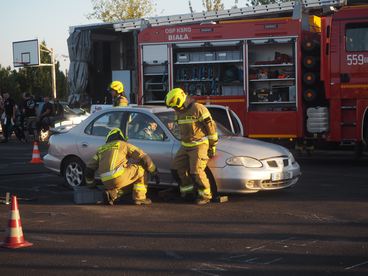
(35, 80)
(117, 10)
(213, 5)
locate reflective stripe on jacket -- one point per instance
(121, 101)
(196, 124)
(112, 158)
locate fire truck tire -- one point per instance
(309, 95)
(309, 62)
(365, 130)
(309, 78)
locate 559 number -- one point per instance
(355, 59)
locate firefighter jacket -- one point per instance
(120, 100)
(196, 124)
(112, 158)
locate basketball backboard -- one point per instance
(26, 53)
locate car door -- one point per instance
(158, 146)
(95, 133)
(226, 117)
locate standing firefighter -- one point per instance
(117, 92)
(117, 175)
(198, 144)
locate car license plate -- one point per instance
(281, 175)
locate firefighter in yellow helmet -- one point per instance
(113, 163)
(198, 144)
(117, 92)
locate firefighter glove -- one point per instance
(156, 177)
(211, 151)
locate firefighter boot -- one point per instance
(202, 201)
(110, 196)
(145, 201)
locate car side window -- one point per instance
(103, 124)
(144, 127)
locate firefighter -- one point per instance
(117, 175)
(117, 92)
(198, 144)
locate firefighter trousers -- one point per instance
(190, 164)
(133, 178)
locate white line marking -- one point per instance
(354, 266)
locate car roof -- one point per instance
(148, 108)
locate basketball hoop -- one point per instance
(21, 63)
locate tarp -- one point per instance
(79, 46)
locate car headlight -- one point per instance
(245, 161)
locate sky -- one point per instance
(49, 20)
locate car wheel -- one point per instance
(73, 172)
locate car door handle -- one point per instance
(84, 144)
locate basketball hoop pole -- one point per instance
(53, 73)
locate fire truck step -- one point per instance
(348, 107)
(348, 142)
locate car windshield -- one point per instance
(168, 119)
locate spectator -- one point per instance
(30, 116)
(58, 111)
(9, 117)
(45, 118)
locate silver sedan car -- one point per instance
(241, 165)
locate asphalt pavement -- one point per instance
(319, 227)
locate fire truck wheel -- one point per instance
(365, 130)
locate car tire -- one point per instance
(74, 172)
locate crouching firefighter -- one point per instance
(113, 163)
(198, 144)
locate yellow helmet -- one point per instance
(115, 134)
(175, 98)
(117, 86)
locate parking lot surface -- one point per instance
(319, 227)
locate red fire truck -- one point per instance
(298, 77)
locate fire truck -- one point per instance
(296, 70)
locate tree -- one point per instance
(117, 10)
(213, 5)
(35, 80)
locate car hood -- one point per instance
(241, 146)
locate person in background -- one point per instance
(9, 117)
(117, 93)
(45, 117)
(29, 116)
(2, 113)
(58, 111)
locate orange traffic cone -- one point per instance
(36, 158)
(14, 233)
